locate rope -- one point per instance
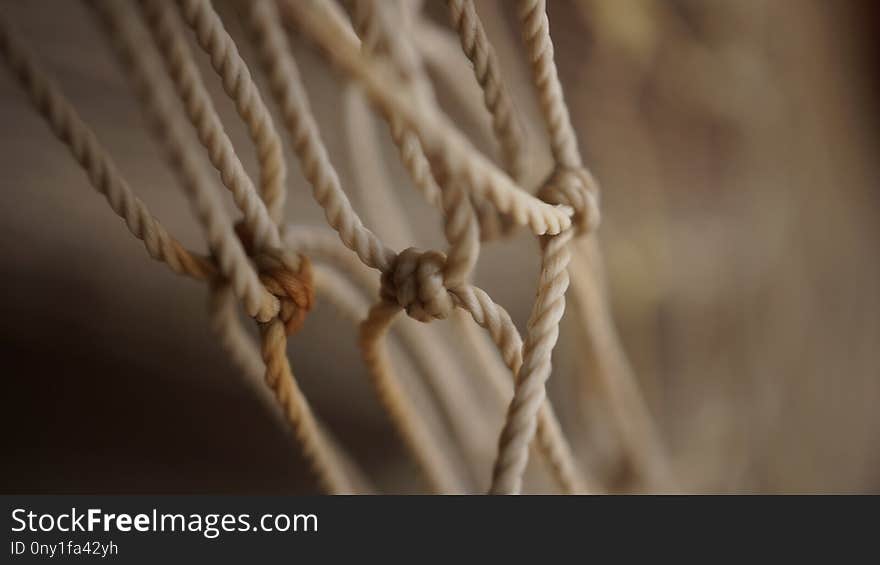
(102, 172)
(168, 35)
(284, 277)
(529, 394)
(440, 140)
(239, 85)
(479, 51)
(289, 93)
(572, 185)
(254, 261)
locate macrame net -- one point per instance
(273, 269)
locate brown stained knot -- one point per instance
(415, 282)
(576, 188)
(289, 278)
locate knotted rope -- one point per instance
(287, 277)
(276, 286)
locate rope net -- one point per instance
(274, 269)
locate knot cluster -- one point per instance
(289, 278)
(577, 188)
(416, 282)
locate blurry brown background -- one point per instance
(735, 142)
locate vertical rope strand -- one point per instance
(536, 34)
(530, 392)
(478, 49)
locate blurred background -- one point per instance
(735, 143)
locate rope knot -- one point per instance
(415, 282)
(286, 276)
(577, 188)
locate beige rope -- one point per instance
(239, 85)
(274, 284)
(478, 49)
(167, 30)
(428, 358)
(439, 362)
(280, 378)
(529, 394)
(536, 33)
(551, 439)
(289, 94)
(462, 233)
(569, 183)
(505, 334)
(287, 276)
(102, 172)
(437, 471)
(440, 140)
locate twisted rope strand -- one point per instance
(572, 184)
(143, 67)
(376, 24)
(280, 379)
(239, 85)
(275, 285)
(102, 172)
(551, 440)
(530, 391)
(167, 31)
(119, 22)
(438, 137)
(290, 95)
(246, 354)
(536, 34)
(407, 141)
(478, 49)
(463, 235)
